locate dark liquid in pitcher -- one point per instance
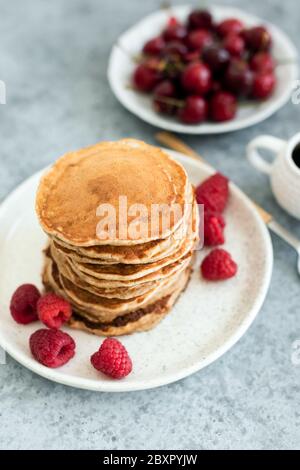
(296, 155)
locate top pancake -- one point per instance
(70, 193)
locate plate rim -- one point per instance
(112, 386)
(210, 128)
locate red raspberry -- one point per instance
(213, 193)
(218, 265)
(214, 224)
(53, 311)
(52, 348)
(112, 359)
(23, 304)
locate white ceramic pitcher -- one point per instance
(283, 171)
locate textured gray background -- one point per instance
(53, 58)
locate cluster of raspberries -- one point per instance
(52, 347)
(213, 193)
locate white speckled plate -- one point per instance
(208, 319)
(130, 43)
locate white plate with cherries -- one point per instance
(203, 72)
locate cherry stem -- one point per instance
(171, 101)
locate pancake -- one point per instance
(127, 272)
(97, 308)
(142, 319)
(123, 283)
(137, 254)
(70, 193)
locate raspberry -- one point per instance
(23, 304)
(53, 311)
(112, 359)
(214, 224)
(218, 265)
(213, 193)
(52, 348)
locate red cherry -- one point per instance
(175, 32)
(145, 78)
(263, 85)
(194, 110)
(196, 78)
(230, 26)
(217, 58)
(234, 44)
(222, 106)
(238, 78)
(198, 39)
(154, 46)
(192, 56)
(262, 62)
(200, 19)
(173, 21)
(257, 39)
(165, 89)
(175, 49)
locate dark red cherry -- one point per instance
(238, 78)
(263, 85)
(194, 110)
(230, 26)
(162, 92)
(154, 46)
(222, 106)
(196, 78)
(192, 56)
(257, 39)
(262, 62)
(217, 58)
(200, 19)
(198, 39)
(175, 32)
(145, 78)
(175, 49)
(234, 44)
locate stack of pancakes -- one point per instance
(127, 278)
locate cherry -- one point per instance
(263, 85)
(257, 39)
(192, 56)
(194, 110)
(154, 46)
(239, 78)
(234, 44)
(262, 62)
(145, 78)
(198, 39)
(222, 106)
(174, 32)
(200, 19)
(196, 78)
(216, 86)
(175, 49)
(217, 58)
(165, 89)
(230, 26)
(173, 21)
